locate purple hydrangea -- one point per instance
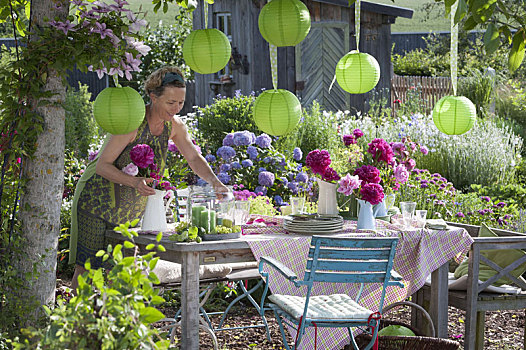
(278, 200)
(236, 165)
(284, 180)
(293, 186)
(262, 169)
(224, 178)
(252, 152)
(226, 152)
(302, 177)
(247, 163)
(210, 158)
(263, 141)
(201, 182)
(267, 160)
(261, 190)
(242, 138)
(297, 154)
(224, 168)
(228, 140)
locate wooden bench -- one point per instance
(474, 300)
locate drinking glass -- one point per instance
(407, 209)
(421, 216)
(241, 212)
(297, 204)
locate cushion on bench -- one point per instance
(501, 257)
(170, 272)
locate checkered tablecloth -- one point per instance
(419, 252)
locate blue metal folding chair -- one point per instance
(334, 260)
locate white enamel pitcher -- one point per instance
(154, 218)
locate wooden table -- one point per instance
(191, 255)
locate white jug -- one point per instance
(154, 218)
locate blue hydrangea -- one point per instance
(252, 152)
(247, 163)
(278, 200)
(226, 152)
(283, 161)
(252, 137)
(263, 141)
(210, 158)
(261, 189)
(242, 138)
(293, 186)
(302, 177)
(224, 168)
(284, 180)
(261, 169)
(228, 140)
(201, 182)
(297, 154)
(266, 178)
(236, 165)
(224, 178)
(267, 160)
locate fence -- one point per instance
(428, 89)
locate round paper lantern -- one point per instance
(284, 22)
(454, 115)
(357, 72)
(119, 110)
(206, 51)
(277, 112)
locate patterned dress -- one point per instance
(102, 204)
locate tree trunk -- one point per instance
(41, 199)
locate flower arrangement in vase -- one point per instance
(319, 163)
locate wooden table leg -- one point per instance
(438, 306)
(190, 301)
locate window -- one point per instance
(223, 23)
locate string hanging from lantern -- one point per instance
(206, 14)
(273, 51)
(454, 48)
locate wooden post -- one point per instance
(190, 301)
(439, 300)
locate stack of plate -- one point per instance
(313, 224)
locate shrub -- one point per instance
(109, 312)
(479, 88)
(420, 62)
(225, 115)
(510, 104)
(81, 128)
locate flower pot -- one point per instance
(366, 219)
(327, 203)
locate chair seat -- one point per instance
(334, 306)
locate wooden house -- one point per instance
(307, 69)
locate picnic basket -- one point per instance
(420, 342)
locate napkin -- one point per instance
(436, 224)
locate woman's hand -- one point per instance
(141, 185)
(222, 192)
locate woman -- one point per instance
(106, 196)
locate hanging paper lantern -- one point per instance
(119, 110)
(277, 112)
(284, 22)
(206, 51)
(454, 115)
(357, 72)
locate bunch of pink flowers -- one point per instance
(319, 161)
(364, 184)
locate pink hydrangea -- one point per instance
(381, 151)
(368, 173)
(142, 155)
(318, 161)
(348, 183)
(372, 193)
(131, 169)
(330, 175)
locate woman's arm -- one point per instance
(107, 170)
(197, 162)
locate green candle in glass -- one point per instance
(208, 220)
(196, 215)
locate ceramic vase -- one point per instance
(327, 203)
(366, 219)
(382, 209)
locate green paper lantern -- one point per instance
(206, 51)
(357, 72)
(277, 112)
(119, 110)
(454, 115)
(284, 22)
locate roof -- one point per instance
(395, 11)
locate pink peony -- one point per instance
(349, 183)
(318, 161)
(381, 151)
(372, 193)
(368, 173)
(357, 133)
(348, 140)
(330, 175)
(131, 169)
(142, 155)
(401, 174)
(410, 164)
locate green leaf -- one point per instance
(462, 10)
(150, 246)
(98, 279)
(100, 253)
(159, 237)
(470, 23)
(491, 39)
(128, 244)
(153, 263)
(161, 248)
(517, 51)
(505, 30)
(150, 314)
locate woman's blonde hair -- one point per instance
(158, 80)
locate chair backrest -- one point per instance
(350, 260)
(181, 198)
